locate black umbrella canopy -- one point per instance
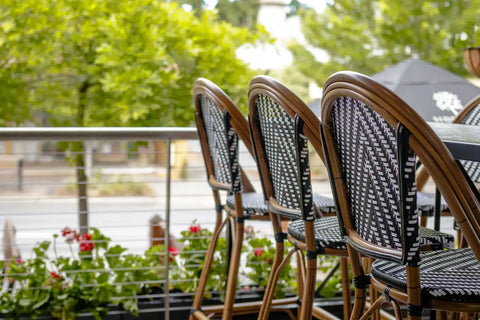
(435, 93)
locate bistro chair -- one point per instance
(280, 137)
(220, 124)
(371, 140)
(280, 124)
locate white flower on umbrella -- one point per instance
(445, 100)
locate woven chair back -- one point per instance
(281, 150)
(218, 138)
(349, 94)
(379, 175)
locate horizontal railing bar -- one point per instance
(206, 209)
(98, 133)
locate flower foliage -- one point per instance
(260, 254)
(86, 281)
(196, 242)
(98, 274)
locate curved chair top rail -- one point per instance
(292, 104)
(207, 88)
(431, 151)
(472, 104)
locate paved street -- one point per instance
(38, 212)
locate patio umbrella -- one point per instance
(435, 93)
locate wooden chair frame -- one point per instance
(204, 87)
(263, 85)
(444, 170)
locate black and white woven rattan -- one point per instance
(372, 140)
(220, 126)
(281, 128)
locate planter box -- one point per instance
(180, 308)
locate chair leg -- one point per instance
(197, 302)
(396, 310)
(301, 277)
(309, 289)
(233, 272)
(423, 220)
(360, 293)
(373, 308)
(346, 295)
(359, 304)
(454, 315)
(272, 280)
(441, 315)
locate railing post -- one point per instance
(20, 175)
(167, 230)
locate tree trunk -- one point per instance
(79, 161)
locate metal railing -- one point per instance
(37, 192)
(17, 161)
(34, 178)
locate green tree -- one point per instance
(112, 63)
(242, 13)
(369, 35)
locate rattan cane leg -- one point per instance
(269, 296)
(197, 302)
(234, 263)
(413, 290)
(346, 295)
(300, 276)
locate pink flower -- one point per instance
(195, 228)
(258, 252)
(66, 231)
(70, 234)
(249, 230)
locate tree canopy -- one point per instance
(112, 62)
(370, 35)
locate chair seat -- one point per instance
(253, 204)
(323, 203)
(426, 203)
(327, 235)
(452, 275)
(439, 240)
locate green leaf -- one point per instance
(41, 299)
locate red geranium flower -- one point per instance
(195, 228)
(85, 243)
(66, 231)
(55, 275)
(84, 237)
(258, 252)
(70, 234)
(19, 261)
(173, 252)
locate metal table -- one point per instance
(462, 140)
